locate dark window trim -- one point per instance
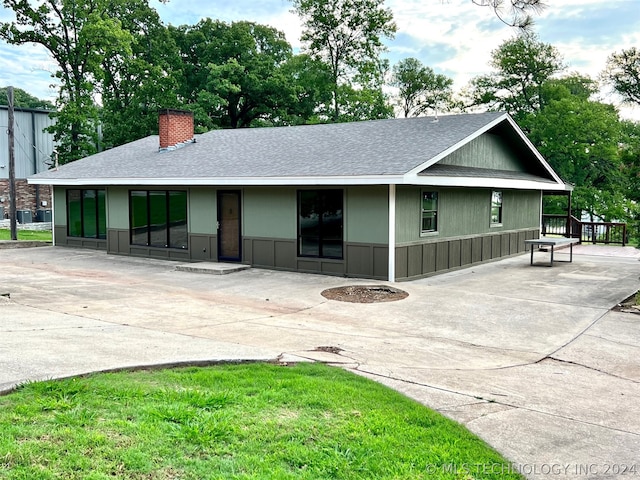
(148, 223)
(99, 235)
(320, 227)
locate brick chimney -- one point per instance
(175, 128)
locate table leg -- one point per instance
(551, 264)
(570, 252)
(531, 246)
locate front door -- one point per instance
(229, 226)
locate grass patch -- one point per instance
(250, 421)
(41, 235)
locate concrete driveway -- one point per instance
(531, 359)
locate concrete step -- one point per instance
(212, 268)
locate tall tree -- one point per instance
(311, 81)
(134, 87)
(420, 88)
(234, 75)
(347, 35)
(623, 73)
(522, 65)
(581, 140)
(79, 35)
(630, 156)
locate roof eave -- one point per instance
(485, 182)
(222, 181)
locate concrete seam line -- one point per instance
(587, 328)
(498, 402)
(594, 369)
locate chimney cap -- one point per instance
(175, 111)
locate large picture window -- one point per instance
(496, 208)
(320, 223)
(86, 213)
(158, 218)
(429, 212)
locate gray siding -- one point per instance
(269, 212)
(424, 259)
(367, 214)
(486, 151)
(33, 147)
(464, 211)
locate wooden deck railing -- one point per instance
(587, 232)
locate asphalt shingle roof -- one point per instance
(379, 147)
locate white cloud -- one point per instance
(28, 67)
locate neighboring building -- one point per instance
(386, 199)
(33, 149)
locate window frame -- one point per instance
(166, 214)
(435, 231)
(499, 205)
(100, 226)
(322, 229)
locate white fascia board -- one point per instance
(457, 146)
(222, 181)
(483, 182)
(535, 151)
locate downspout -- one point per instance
(392, 233)
(53, 216)
(540, 223)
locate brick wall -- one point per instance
(175, 126)
(25, 196)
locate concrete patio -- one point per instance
(531, 359)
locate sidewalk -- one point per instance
(530, 359)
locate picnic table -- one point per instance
(552, 242)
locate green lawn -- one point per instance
(46, 236)
(248, 421)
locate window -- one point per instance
(429, 212)
(496, 208)
(158, 218)
(320, 223)
(86, 213)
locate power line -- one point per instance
(31, 144)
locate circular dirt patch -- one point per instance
(365, 294)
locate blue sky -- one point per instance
(454, 37)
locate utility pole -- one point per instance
(12, 168)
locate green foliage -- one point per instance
(347, 36)
(522, 66)
(580, 139)
(23, 99)
(363, 104)
(242, 74)
(623, 73)
(79, 35)
(136, 86)
(235, 421)
(420, 88)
